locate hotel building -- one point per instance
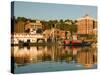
(86, 25)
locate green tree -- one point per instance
(21, 19)
(73, 28)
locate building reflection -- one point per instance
(36, 54)
(87, 57)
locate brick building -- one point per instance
(86, 25)
(19, 27)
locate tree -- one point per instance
(73, 28)
(21, 19)
(61, 24)
(45, 25)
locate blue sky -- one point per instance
(48, 11)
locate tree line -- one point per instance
(66, 25)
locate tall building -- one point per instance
(86, 25)
(19, 27)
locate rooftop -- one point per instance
(86, 17)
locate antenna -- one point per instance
(87, 12)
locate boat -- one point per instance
(76, 43)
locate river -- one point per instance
(53, 58)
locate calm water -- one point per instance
(53, 58)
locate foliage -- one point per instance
(59, 24)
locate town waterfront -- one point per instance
(53, 58)
(48, 37)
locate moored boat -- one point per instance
(76, 43)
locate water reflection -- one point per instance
(86, 56)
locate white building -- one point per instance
(16, 37)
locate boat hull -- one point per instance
(76, 43)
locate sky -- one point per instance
(50, 11)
